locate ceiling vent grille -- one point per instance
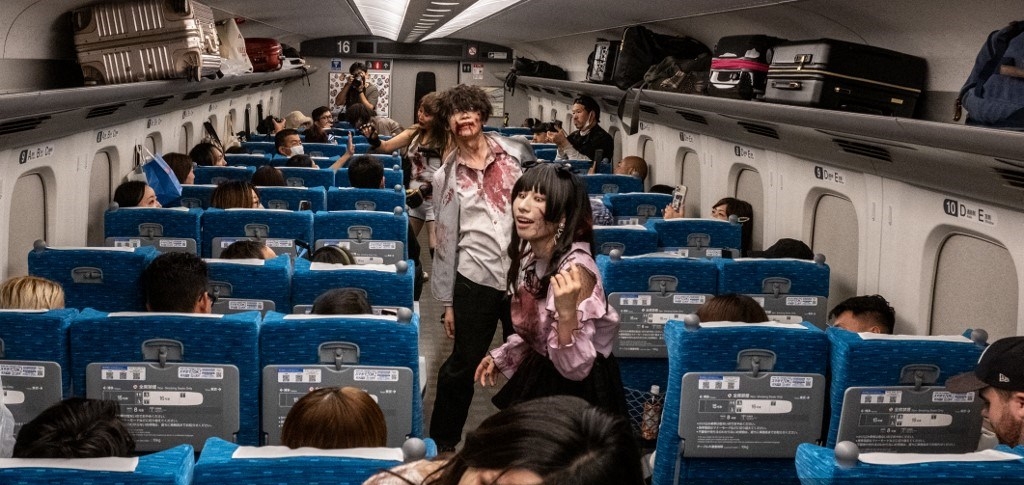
(648, 109)
(151, 102)
(759, 130)
(611, 102)
(104, 110)
(567, 94)
(192, 95)
(18, 126)
(255, 85)
(239, 87)
(1013, 178)
(1013, 163)
(693, 117)
(863, 149)
(220, 90)
(549, 91)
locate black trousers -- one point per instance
(477, 310)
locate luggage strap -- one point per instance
(634, 122)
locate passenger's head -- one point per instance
(465, 109)
(429, 109)
(268, 176)
(732, 307)
(357, 68)
(235, 194)
(247, 249)
(557, 440)
(288, 143)
(540, 132)
(176, 282)
(335, 417)
(76, 428)
(744, 213)
(785, 248)
(331, 254)
(366, 172)
(296, 120)
(208, 155)
(135, 194)
(342, 301)
(585, 113)
(357, 115)
(634, 166)
(864, 314)
(182, 166)
(323, 118)
(999, 380)
(31, 293)
(301, 161)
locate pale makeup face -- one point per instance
(515, 476)
(718, 212)
(466, 124)
(423, 118)
(528, 210)
(149, 198)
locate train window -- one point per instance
(27, 222)
(691, 179)
(540, 111)
(554, 117)
(835, 234)
(750, 189)
(229, 123)
(213, 123)
(975, 286)
(154, 144)
(100, 195)
(185, 139)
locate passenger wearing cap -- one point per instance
(999, 380)
(864, 314)
(297, 121)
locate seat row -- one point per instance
(276, 160)
(314, 198)
(293, 176)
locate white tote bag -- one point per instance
(232, 49)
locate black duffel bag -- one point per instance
(641, 49)
(529, 67)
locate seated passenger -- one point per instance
(556, 440)
(76, 428)
(176, 282)
(183, 167)
(631, 165)
(732, 307)
(864, 314)
(235, 194)
(135, 194)
(270, 125)
(722, 210)
(332, 254)
(297, 121)
(589, 137)
(322, 121)
(785, 248)
(268, 176)
(31, 293)
(207, 154)
(365, 172)
(335, 417)
(247, 249)
(542, 132)
(342, 301)
(999, 380)
(301, 160)
(287, 143)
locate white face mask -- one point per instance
(297, 150)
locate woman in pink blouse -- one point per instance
(564, 328)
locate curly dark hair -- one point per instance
(463, 98)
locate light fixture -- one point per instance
(384, 19)
(472, 14)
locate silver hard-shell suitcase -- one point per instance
(146, 40)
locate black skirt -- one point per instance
(538, 377)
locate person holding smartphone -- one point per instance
(589, 137)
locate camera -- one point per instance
(415, 197)
(357, 82)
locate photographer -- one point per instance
(357, 89)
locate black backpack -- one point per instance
(529, 67)
(991, 98)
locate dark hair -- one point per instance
(563, 439)
(358, 115)
(281, 135)
(302, 160)
(174, 282)
(335, 417)
(76, 428)
(315, 134)
(332, 254)
(233, 194)
(566, 196)
(268, 176)
(436, 135)
(874, 307)
(745, 212)
(342, 301)
(356, 66)
(202, 153)
(243, 249)
(588, 104)
(266, 125)
(662, 189)
(180, 163)
(463, 98)
(732, 307)
(129, 194)
(365, 172)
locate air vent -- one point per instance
(759, 130)
(1013, 178)
(104, 110)
(192, 95)
(220, 90)
(693, 117)
(268, 83)
(239, 87)
(18, 126)
(611, 101)
(549, 91)
(648, 109)
(863, 149)
(151, 102)
(535, 88)
(255, 85)
(566, 94)
(1013, 163)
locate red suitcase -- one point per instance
(265, 54)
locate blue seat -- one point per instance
(216, 175)
(359, 230)
(492, 128)
(548, 154)
(348, 198)
(387, 285)
(253, 280)
(389, 161)
(278, 228)
(637, 207)
(168, 230)
(582, 167)
(168, 467)
(543, 146)
(631, 240)
(101, 278)
(198, 347)
(321, 162)
(515, 130)
(308, 177)
(392, 177)
(612, 184)
(344, 125)
(32, 342)
(197, 196)
(797, 349)
(246, 160)
(694, 235)
(328, 149)
(217, 465)
(294, 198)
(259, 147)
(381, 341)
(790, 290)
(817, 465)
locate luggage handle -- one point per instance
(788, 85)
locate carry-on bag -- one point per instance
(640, 49)
(834, 74)
(146, 40)
(739, 69)
(602, 61)
(265, 54)
(994, 91)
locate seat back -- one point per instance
(294, 198)
(349, 198)
(789, 290)
(200, 373)
(387, 285)
(819, 465)
(168, 467)
(636, 207)
(217, 175)
(545, 153)
(101, 278)
(699, 238)
(168, 230)
(197, 196)
(371, 236)
(392, 177)
(612, 184)
(259, 147)
(308, 177)
(279, 229)
(246, 159)
(329, 149)
(515, 130)
(630, 240)
(34, 350)
(251, 284)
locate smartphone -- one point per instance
(678, 197)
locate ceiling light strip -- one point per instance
(472, 14)
(384, 19)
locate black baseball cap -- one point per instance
(785, 248)
(1001, 366)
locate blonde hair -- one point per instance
(31, 293)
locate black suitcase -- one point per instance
(739, 69)
(834, 74)
(602, 61)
